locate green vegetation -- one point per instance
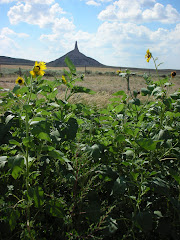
(70, 171)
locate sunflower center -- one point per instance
(36, 69)
(19, 81)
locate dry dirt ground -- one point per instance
(100, 80)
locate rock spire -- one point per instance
(76, 47)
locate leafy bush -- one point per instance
(68, 171)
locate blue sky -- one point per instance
(116, 33)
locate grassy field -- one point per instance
(104, 81)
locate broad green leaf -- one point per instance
(147, 144)
(158, 213)
(120, 138)
(28, 108)
(70, 65)
(135, 101)
(112, 225)
(16, 165)
(79, 89)
(37, 195)
(15, 89)
(9, 118)
(145, 91)
(36, 120)
(144, 221)
(13, 219)
(44, 136)
(157, 91)
(27, 141)
(55, 208)
(175, 95)
(3, 161)
(23, 90)
(129, 153)
(119, 108)
(151, 87)
(70, 130)
(14, 142)
(119, 93)
(119, 186)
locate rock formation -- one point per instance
(77, 58)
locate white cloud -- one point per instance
(41, 15)
(96, 2)
(49, 2)
(8, 41)
(135, 11)
(161, 13)
(93, 3)
(9, 32)
(6, 1)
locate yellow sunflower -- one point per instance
(148, 55)
(173, 74)
(119, 71)
(19, 81)
(38, 69)
(64, 79)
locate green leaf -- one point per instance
(120, 138)
(14, 142)
(16, 165)
(158, 213)
(3, 161)
(16, 88)
(119, 93)
(175, 95)
(151, 87)
(55, 208)
(70, 65)
(135, 93)
(119, 186)
(144, 221)
(70, 130)
(157, 91)
(119, 108)
(37, 195)
(145, 91)
(28, 141)
(79, 89)
(23, 90)
(9, 118)
(135, 101)
(129, 153)
(36, 120)
(94, 151)
(44, 136)
(13, 219)
(112, 225)
(27, 108)
(147, 144)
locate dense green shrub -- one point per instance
(68, 171)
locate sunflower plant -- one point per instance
(37, 117)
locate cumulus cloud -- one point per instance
(41, 15)
(136, 11)
(30, 1)
(92, 2)
(8, 41)
(6, 1)
(9, 32)
(96, 2)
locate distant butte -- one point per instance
(77, 58)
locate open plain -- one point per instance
(104, 81)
